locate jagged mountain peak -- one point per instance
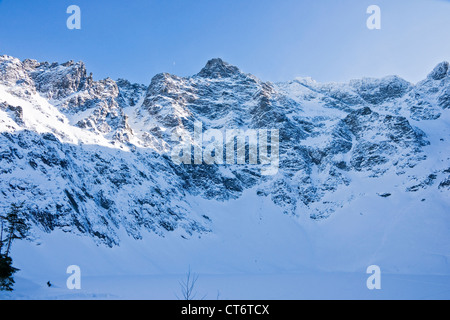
(440, 71)
(217, 68)
(126, 83)
(163, 77)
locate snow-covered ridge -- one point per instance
(93, 157)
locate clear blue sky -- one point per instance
(275, 40)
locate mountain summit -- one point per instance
(217, 68)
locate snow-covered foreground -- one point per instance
(256, 252)
(289, 286)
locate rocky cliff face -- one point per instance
(93, 157)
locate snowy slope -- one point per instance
(256, 252)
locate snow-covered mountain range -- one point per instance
(363, 178)
(89, 157)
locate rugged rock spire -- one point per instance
(217, 68)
